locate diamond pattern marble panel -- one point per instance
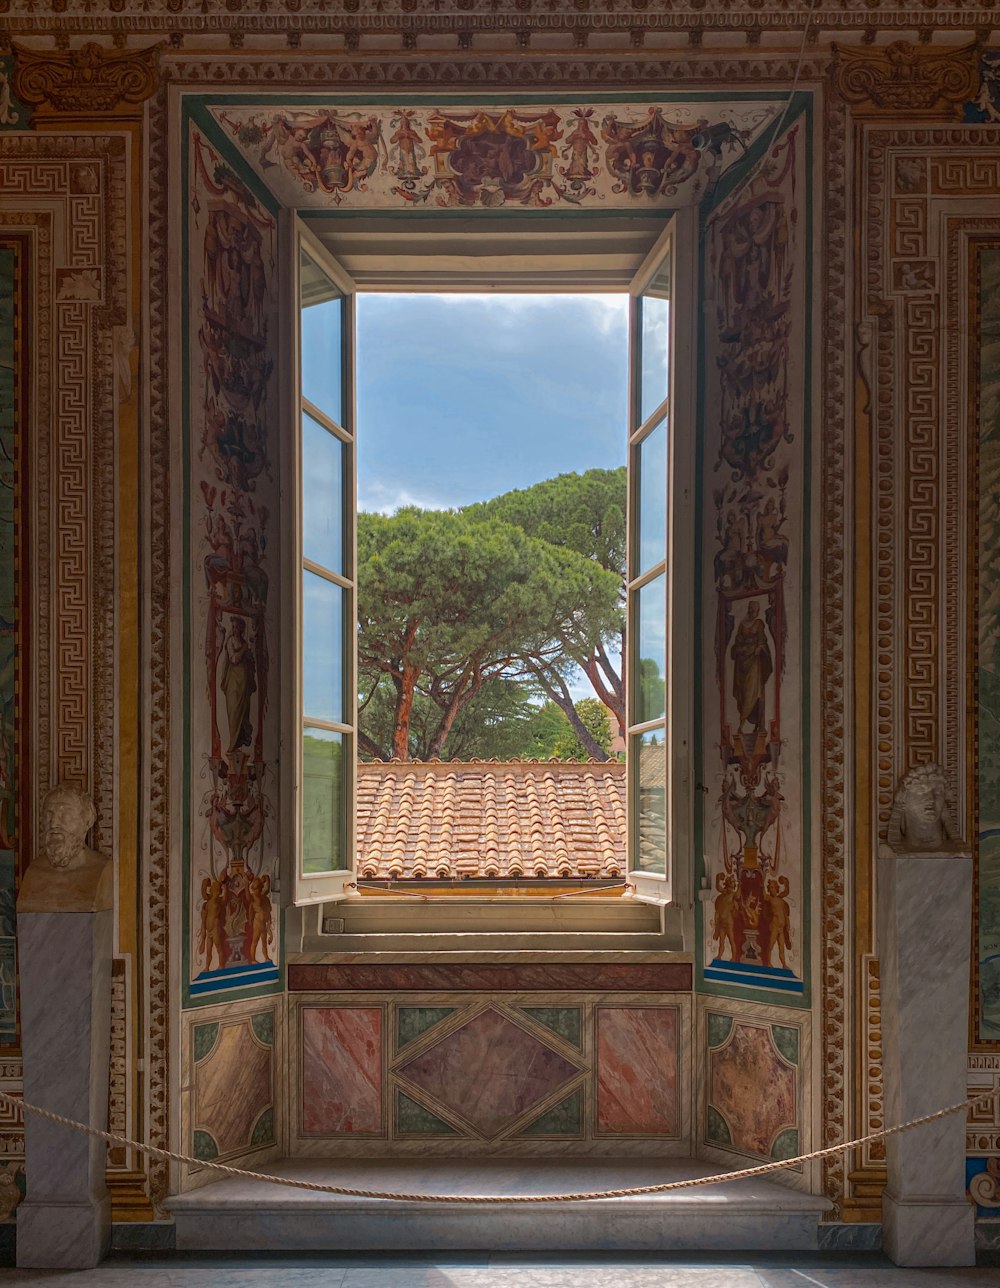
(489, 1071)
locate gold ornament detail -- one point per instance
(907, 78)
(89, 79)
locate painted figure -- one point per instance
(212, 936)
(777, 933)
(260, 925)
(724, 930)
(752, 667)
(238, 683)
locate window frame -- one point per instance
(297, 240)
(672, 896)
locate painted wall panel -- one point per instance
(232, 503)
(754, 578)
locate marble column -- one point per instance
(924, 928)
(64, 1221)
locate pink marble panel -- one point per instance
(341, 1075)
(232, 1087)
(489, 1071)
(753, 1087)
(637, 1077)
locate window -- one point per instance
(321, 638)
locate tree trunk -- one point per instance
(405, 690)
(459, 698)
(560, 696)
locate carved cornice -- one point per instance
(86, 80)
(907, 78)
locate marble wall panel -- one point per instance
(755, 1097)
(488, 1071)
(341, 1053)
(233, 1076)
(637, 1073)
(592, 977)
(469, 1074)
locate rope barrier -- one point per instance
(345, 1191)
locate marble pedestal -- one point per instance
(924, 927)
(64, 1221)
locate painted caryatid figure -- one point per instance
(752, 667)
(65, 875)
(238, 682)
(921, 818)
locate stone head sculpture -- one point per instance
(921, 818)
(67, 815)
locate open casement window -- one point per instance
(324, 645)
(321, 776)
(659, 674)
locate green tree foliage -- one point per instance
(448, 602)
(584, 513)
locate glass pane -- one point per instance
(322, 496)
(650, 625)
(322, 340)
(323, 615)
(654, 343)
(323, 820)
(651, 520)
(647, 756)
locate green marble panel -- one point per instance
(204, 1146)
(786, 1144)
(411, 1021)
(205, 1036)
(719, 1028)
(263, 1129)
(414, 1120)
(717, 1129)
(566, 1021)
(563, 1119)
(786, 1040)
(263, 1027)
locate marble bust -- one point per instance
(65, 875)
(921, 820)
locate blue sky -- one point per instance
(462, 397)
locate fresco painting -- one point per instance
(615, 155)
(233, 493)
(753, 570)
(10, 266)
(987, 1003)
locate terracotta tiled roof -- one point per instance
(491, 819)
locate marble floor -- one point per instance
(508, 1270)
